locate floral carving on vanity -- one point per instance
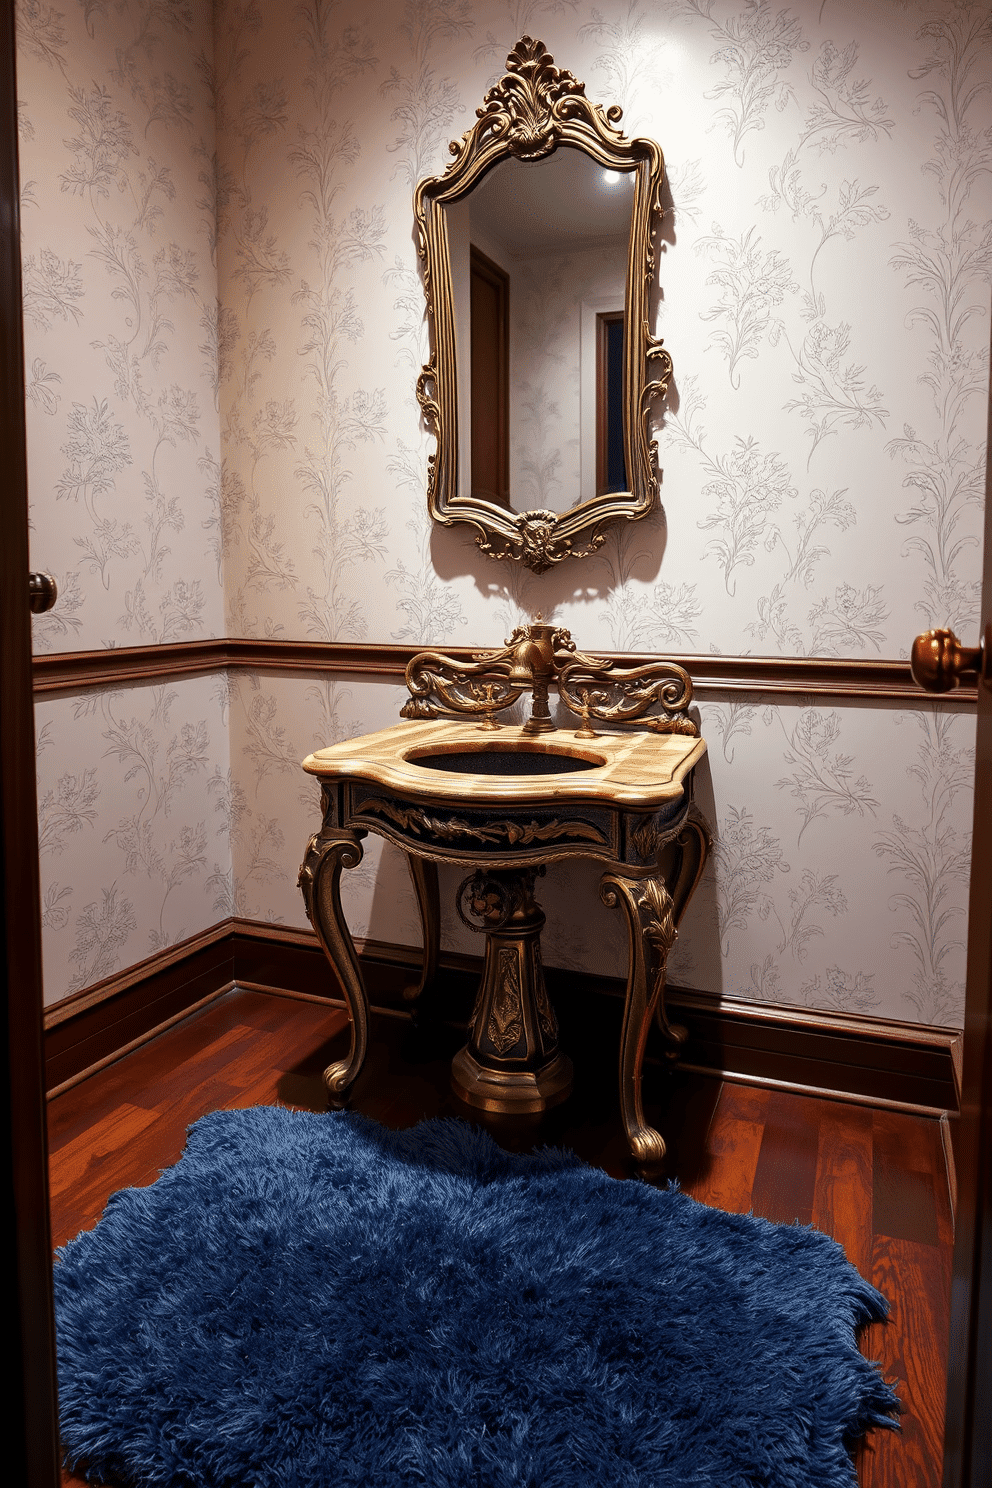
(504, 801)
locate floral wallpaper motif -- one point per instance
(812, 424)
(824, 270)
(120, 313)
(131, 840)
(848, 890)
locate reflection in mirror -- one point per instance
(611, 465)
(538, 259)
(538, 269)
(487, 400)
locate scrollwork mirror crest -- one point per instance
(534, 111)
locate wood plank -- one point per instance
(734, 1146)
(150, 1075)
(912, 1349)
(844, 1180)
(96, 1150)
(907, 1158)
(291, 1020)
(785, 1176)
(248, 1051)
(71, 1111)
(88, 1170)
(240, 1069)
(918, 1139)
(236, 1060)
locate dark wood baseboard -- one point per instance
(802, 1049)
(842, 1056)
(90, 1028)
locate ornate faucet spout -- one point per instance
(534, 667)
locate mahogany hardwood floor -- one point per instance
(873, 1179)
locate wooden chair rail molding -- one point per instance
(843, 1056)
(798, 676)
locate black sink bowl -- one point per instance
(515, 760)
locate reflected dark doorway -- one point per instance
(490, 423)
(611, 467)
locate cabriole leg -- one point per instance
(320, 880)
(649, 913)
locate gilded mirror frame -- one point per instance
(534, 108)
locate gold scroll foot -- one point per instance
(647, 1147)
(338, 1080)
(320, 881)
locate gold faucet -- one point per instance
(533, 666)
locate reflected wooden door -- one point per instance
(490, 377)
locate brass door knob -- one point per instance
(940, 663)
(42, 592)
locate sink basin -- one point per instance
(513, 760)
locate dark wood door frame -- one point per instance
(967, 1436)
(30, 1445)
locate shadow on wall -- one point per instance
(632, 550)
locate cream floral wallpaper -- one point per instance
(121, 320)
(120, 311)
(824, 276)
(825, 299)
(134, 802)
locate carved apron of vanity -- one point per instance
(504, 802)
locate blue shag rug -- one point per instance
(310, 1301)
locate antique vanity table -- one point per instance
(503, 802)
(543, 177)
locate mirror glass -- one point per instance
(538, 254)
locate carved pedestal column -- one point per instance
(511, 1062)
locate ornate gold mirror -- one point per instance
(538, 266)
